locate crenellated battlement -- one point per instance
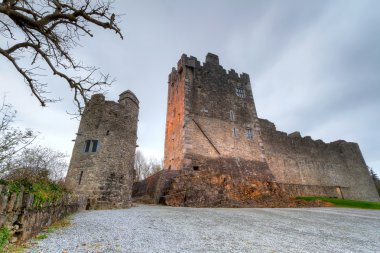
(210, 65)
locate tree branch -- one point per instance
(49, 30)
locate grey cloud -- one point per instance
(314, 65)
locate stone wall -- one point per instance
(296, 190)
(312, 167)
(19, 213)
(155, 186)
(105, 174)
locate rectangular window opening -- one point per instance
(240, 92)
(87, 146)
(91, 146)
(232, 116)
(94, 145)
(249, 134)
(234, 132)
(195, 167)
(80, 177)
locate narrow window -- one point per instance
(87, 146)
(195, 167)
(240, 92)
(249, 134)
(94, 145)
(91, 146)
(234, 132)
(80, 177)
(232, 116)
(108, 132)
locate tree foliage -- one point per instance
(38, 164)
(44, 32)
(12, 139)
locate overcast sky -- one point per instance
(314, 66)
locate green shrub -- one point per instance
(41, 236)
(4, 236)
(44, 192)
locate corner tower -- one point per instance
(211, 120)
(102, 161)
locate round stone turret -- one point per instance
(128, 96)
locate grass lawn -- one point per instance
(347, 202)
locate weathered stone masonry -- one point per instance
(25, 219)
(212, 125)
(211, 116)
(317, 168)
(102, 162)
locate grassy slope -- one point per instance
(347, 202)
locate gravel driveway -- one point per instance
(172, 229)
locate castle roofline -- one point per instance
(211, 60)
(130, 95)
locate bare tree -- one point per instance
(145, 168)
(44, 32)
(12, 140)
(141, 166)
(154, 166)
(38, 164)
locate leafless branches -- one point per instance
(145, 168)
(38, 163)
(12, 140)
(46, 31)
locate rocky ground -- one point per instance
(216, 188)
(175, 229)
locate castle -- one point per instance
(216, 149)
(212, 123)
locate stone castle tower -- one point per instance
(211, 120)
(102, 162)
(212, 124)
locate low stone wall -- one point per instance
(297, 190)
(24, 219)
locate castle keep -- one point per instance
(102, 162)
(212, 125)
(211, 119)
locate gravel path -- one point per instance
(169, 229)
